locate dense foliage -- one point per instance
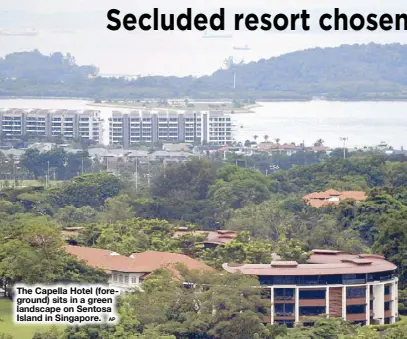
(267, 211)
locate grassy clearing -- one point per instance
(17, 331)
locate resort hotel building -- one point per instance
(197, 127)
(358, 288)
(85, 124)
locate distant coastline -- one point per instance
(246, 109)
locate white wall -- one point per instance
(125, 280)
(378, 302)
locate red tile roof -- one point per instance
(320, 148)
(320, 263)
(150, 261)
(320, 199)
(145, 262)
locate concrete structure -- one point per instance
(359, 288)
(126, 273)
(195, 127)
(85, 124)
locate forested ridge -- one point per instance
(347, 72)
(209, 193)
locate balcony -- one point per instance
(283, 298)
(388, 297)
(354, 281)
(388, 314)
(284, 316)
(312, 302)
(356, 317)
(356, 301)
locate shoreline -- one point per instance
(248, 109)
(245, 109)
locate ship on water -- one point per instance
(216, 36)
(27, 32)
(244, 48)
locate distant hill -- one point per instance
(348, 72)
(36, 67)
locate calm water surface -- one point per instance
(363, 123)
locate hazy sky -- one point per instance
(42, 6)
(79, 27)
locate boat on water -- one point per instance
(244, 48)
(27, 32)
(216, 36)
(318, 98)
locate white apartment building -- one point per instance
(85, 124)
(128, 128)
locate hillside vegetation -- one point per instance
(348, 72)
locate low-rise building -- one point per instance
(333, 197)
(127, 273)
(181, 147)
(358, 288)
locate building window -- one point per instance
(121, 278)
(349, 279)
(309, 311)
(312, 294)
(355, 292)
(114, 277)
(284, 293)
(134, 280)
(284, 310)
(283, 279)
(265, 280)
(356, 309)
(387, 290)
(126, 279)
(387, 305)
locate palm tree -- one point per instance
(277, 140)
(255, 137)
(319, 143)
(266, 137)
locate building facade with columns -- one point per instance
(358, 288)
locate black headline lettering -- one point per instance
(357, 22)
(280, 21)
(166, 22)
(188, 21)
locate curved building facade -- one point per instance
(359, 288)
